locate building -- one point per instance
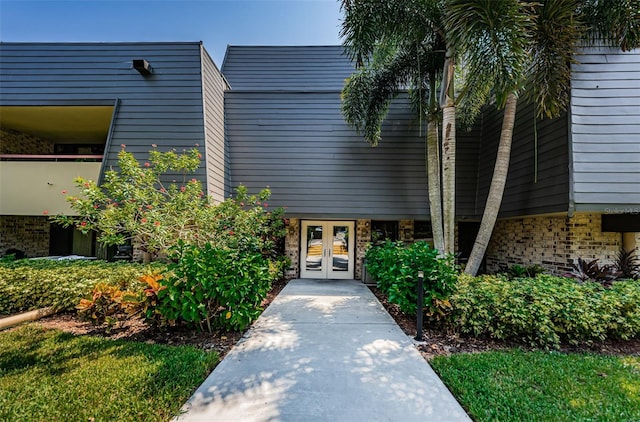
(65, 111)
(274, 120)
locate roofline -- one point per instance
(100, 42)
(280, 46)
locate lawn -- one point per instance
(517, 386)
(51, 375)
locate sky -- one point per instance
(217, 23)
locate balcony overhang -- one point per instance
(60, 124)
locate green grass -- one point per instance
(543, 386)
(49, 375)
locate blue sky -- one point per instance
(215, 22)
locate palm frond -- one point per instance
(368, 92)
(556, 36)
(491, 38)
(614, 22)
(370, 23)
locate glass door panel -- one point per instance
(340, 248)
(327, 249)
(315, 249)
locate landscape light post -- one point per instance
(420, 305)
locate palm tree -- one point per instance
(398, 44)
(513, 47)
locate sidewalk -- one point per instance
(324, 350)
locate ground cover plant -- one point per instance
(32, 284)
(546, 386)
(546, 310)
(52, 375)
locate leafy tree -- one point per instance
(135, 204)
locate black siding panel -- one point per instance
(262, 68)
(523, 194)
(317, 166)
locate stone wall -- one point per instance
(292, 248)
(29, 234)
(14, 142)
(405, 230)
(363, 238)
(551, 241)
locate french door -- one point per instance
(327, 249)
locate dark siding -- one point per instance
(605, 114)
(165, 108)
(523, 195)
(467, 150)
(299, 145)
(285, 130)
(213, 87)
(316, 68)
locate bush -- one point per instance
(395, 268)
(519, 271)
(134, 204)
(214, 288)
(32, 284)
(545, 310)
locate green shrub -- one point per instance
(545, 310)
(32, 284)
(134, 204)
(395, 268)
(214, 288)
(621, 303)
(519, 271)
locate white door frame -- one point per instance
(323, 265)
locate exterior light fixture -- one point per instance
(142, 66)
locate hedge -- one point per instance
(32, 284)
(545, 310)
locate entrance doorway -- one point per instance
(327, 249)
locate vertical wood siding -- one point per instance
(605, 128)
(165, 108)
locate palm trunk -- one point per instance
(433, 177)
(447, 104)
(496, 191)
(449, 176)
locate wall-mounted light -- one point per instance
(142, 66)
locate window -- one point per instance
(422, 230)
(383, 230)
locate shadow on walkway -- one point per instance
(324, 350)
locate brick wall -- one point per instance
(29, 234)
(405, 230)
(292, 248)
(552, 241)
(363, 238)
(14, 142)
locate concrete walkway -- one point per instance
(324, 350)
